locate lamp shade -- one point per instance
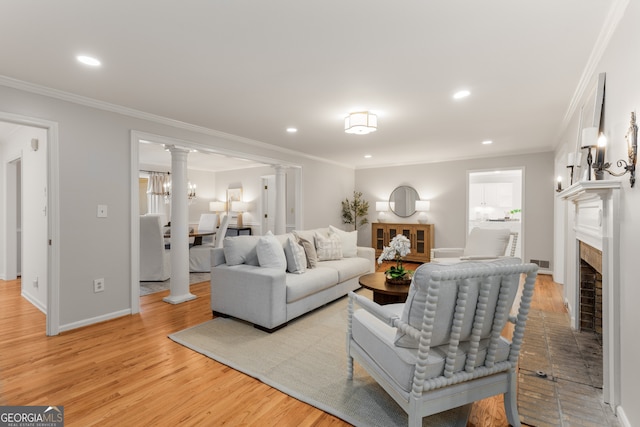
(423, 205)
(382, 206)
(361, 123)
(238, 206)
(589, 137)
(217, 206)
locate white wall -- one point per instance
(34, 204)
(94, 161)
(445, 184)
(622, 95)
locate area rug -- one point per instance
(306, 360)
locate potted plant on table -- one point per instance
(398, 248)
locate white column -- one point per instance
(281, 201)
(179, 288)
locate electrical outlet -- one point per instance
(98, 285)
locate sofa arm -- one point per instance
(217, 257)
(447, 252)
(369, 254)
(255, 294)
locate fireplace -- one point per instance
(591, 279)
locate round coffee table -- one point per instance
(383, 293)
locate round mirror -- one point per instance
(402, 201)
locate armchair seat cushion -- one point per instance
(376, 340)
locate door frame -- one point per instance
(53, 216)
(521, 235)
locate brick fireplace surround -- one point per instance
(592, 237)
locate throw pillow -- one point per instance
(271, 253)
(349, 241)
(310, 252)
(241, 250)
(296, 260)
(328, 248)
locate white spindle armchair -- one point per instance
(443, 348)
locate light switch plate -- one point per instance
(102, 211)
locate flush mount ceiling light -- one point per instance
(88, 60)
(361, 123)
(461, 94)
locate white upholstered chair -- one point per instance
(207, 224)
(482, 243)
(200, 256)
(155, 263)
(222, 231)
(442, 348)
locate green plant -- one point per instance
(514, 211)
(355, 212)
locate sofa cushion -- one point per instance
(296, 259)
(313, 281)
(376, 338)
(348, 268)
(270, 252)
(328, 247)
(414, 306)
(241, 250)
(310, 252)
(349, 241)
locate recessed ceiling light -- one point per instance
(461, 94)
(292, 130)
(88, 60)
(487, 142)
(368, 156)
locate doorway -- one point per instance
(30, 211)
(495, 201)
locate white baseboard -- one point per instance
(622, 417)
(35, 302)
(93, 320)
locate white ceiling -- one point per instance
(254, 68)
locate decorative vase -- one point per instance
(404, 280)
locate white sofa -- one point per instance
(270, 296)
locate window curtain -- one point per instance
(158, 201)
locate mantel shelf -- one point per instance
(584, 190)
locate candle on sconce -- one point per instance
(571, 159)
(559, 183)
(602, 148)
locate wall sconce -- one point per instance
(632, 149)
(382, 208)
(559, 188)
(589, 140)
(239, 207)
(422, 206)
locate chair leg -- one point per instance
(511, 402)
(462, 415)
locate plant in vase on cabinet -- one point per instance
(398, 248)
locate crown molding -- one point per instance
(614, 16)
(130, 112)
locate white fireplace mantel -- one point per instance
(594, 220)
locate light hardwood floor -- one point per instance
(127, 372)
